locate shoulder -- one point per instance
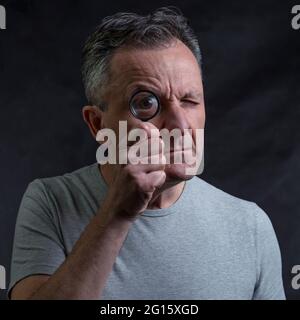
(69, 181)
(226, 207)
(56, 194)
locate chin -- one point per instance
(177, 172)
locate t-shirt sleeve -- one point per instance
(269, 284)
(37, 247)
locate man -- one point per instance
(142, 231)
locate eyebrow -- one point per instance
(139, 87)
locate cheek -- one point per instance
(202, 117)
(113, 115)
(113, 122)
(196, 117)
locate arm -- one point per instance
(269, 285)
(84, 272)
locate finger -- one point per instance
(153, 159)
(141, 150)
(146, 168)
(150, 129)
(155, 179)
(147, 147)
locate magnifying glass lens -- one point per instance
(144, 105)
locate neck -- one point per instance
(163, 197)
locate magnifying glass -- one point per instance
(144, 105)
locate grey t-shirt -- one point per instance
(207, 245)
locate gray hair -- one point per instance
(156, 29)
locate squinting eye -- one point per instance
(190, 102)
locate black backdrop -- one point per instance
(251, 66)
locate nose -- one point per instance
(174, 117)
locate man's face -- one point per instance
(171, 73)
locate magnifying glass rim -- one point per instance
(133, 110)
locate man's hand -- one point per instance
(134, 184)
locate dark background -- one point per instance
(251, 60)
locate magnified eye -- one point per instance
(147, 103)
(144, 105)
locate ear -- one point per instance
(93, 117)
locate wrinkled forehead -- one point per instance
(172, 68)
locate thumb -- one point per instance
(157, 178)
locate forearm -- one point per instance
(84, 273)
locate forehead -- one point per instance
(169, 70)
